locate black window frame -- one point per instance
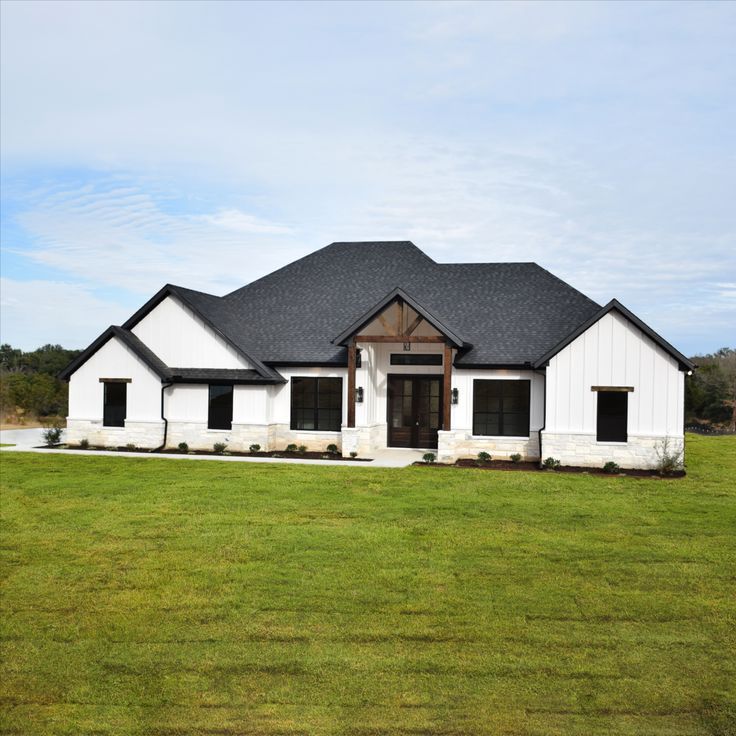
(482, 413)
(114, 415)
(219, 409)
(316, 403)
(416, 359)
(612, 416)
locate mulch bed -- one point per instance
(535, 468)
(210, 453)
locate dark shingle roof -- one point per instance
(208, 375)
(131, 341)
(510, 313)
(503, 314)
(166, 374)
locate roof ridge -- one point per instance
(319, 251)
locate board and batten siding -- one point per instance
(115, 360)
(182, 340)
(614, 352)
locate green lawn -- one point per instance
(150, 596)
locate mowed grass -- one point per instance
(148, 596)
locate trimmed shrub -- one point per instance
(254, 448)
(332, 449)
(611, 467)
(84, 443)
(551, 463)
(183, 447)
(353, 454)
(484, 457)
(130, 446)
(516, 458)
(301, 449)
(219, 447)
(52, 436)
(291, 448)
(429, 457)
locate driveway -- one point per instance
(23, 439)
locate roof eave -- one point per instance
(684, 363)
(172, 290)
(159, 368)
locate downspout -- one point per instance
(544, 411)
(166, 421)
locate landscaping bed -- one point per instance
(535, 468)
(308, 455)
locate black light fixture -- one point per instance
(455, 396)
(359, 395)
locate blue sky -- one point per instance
(206, 144)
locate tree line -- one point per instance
(29, 387)
(710, 393)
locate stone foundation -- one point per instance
(281, 435)
(146, 435)
(196, 434)
(363, 440)
(638, 452)
(458, 443)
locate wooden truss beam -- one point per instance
(446, 387)
(351, 383)
(399, 338)
(417, 321)
(387, 326)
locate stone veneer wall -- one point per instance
(239, 439)
(141, 434)
(281, 435)
(196, 434)
(460, 443)
(582, 449)
(363, 440)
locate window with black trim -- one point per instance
(416, 358)
(613, 411)
(501, 408)
(316, 404)
(220, 412)
(115, 403)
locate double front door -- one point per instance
(414, 410)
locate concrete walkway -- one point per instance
(28, 440)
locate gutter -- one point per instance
(544, 410)
(166, 421)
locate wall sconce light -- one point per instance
(359, 395)
(455, 396)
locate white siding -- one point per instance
(183, 340)
(114, 360)
(189, 402)
(613, 352)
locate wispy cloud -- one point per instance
(123, 236)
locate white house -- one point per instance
(374, 345)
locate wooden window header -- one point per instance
(620, 389)
(116, 380)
